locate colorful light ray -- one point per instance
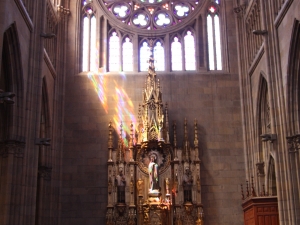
(124, 112)
(99, 84)
(124, 108)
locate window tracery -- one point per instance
(144, 56)
(159, 56)
(151, 14)
(189, 50)
(180, 47)
(127, 53)
(176, 52)
(89, 39)
(114, 52)
(214, 38)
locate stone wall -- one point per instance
(212, 99)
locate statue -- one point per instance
(153, 174)
(199, 221)
(120, 183)
(198, 184)
(187, 183)
(167, 186)
(139, 185)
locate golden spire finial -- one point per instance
(110, 141)
(121, 130)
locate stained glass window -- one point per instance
(85, 46)
(127, 55)
(182, 9)
(89, 47)
(114, 52)
(189, 50)
(176, 55)
(144, 56)
(214, 39)
(140, 20)
(151, 14)
(162, 19)
(120, 10)
(159, 57)
(218, 42)
(210, 37)
(94, 50)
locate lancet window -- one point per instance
(214, 37)
(189, 51)
(159, 56)
(126, 51)
(114, 52)
(144, 55)
(89, 39)
(127, 55)
(176, 52)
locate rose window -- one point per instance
(151, 14)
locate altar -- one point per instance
(153, 181)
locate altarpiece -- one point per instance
(153, 181)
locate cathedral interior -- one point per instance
(139, 112)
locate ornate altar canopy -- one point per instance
(153, 181)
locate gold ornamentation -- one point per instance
(163, 158)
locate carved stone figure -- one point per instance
(153, 174)
(198, 185)
(187, 183)
(110, 185)
(120, 183)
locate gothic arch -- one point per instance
(11, 57)
(293, 109)
(262, 150)
(45, 106)
(261, 106)
(293, 81)
(271, 177)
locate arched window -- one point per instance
(144, 56)
(176, 52)
(174, 49)
(159, 56)
(189, 51)
(272, 190)
(89, 48)
(214, 38)
(127, 52)
(114, 52)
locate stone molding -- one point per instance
(293, 143)
(44, 172)
(13, 147)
